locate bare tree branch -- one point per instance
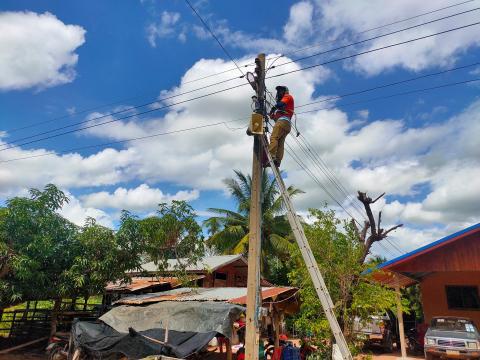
(374, 201)
(366, 201)
(392, 229)
(376, 232)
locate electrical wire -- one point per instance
(325, 170)
(380, 27)
(310, 111)
(214, 36)
(373, 38)
(337, 39)
(305, 168)
(390, 84)
(121, 118)
(197, 89)
(130, 108)
(124, 141)
(397, 94)
(374, 50)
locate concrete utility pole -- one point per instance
(255, 236)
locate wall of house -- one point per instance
(434, 296)
(235, 273)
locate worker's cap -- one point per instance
(283, 337)
(282, 88)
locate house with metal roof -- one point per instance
(448, 272)
(211, 271)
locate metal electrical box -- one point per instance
(256, 124)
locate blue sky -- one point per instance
(60, 58)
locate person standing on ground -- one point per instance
(282, 114)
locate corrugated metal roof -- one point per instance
(141, 283)
(209, 263)
(232, 295)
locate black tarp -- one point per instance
(102, 341)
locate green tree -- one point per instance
(229, 229)
(337, 251)
(43, 256)
(173, 233)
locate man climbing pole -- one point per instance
(281, 113)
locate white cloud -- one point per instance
(375, 156)
(105, 167)
(142, 198)
(166, 27)
(37, 50)
(345, 18)
(299, 25)
(77, 213)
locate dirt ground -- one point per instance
(393, 356)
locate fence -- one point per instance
(33, 321)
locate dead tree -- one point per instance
(377, 233)
(370, 233)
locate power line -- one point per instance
(130, 108)
(302, 165)
(326, 108)
(214, 36)
(197, 89)
(397, 94)
(374, 50)
(322, 166)
(123, 141)
(329, 174)
(325, 173)
(390, 84)
(337, 39)
(122, 118)
(373, 38)
(381, 26)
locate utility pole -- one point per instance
(255, 235)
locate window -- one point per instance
(463, 297)
(220, 276)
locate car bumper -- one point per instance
(452, 353)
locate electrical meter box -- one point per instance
(256, 124)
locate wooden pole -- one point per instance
(229, 349)
(255, 236)
(401, 329)
(276, 326)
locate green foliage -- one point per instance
(337, 252)
(229, 229)
(44, 256)
(174, 233)
(40, 245)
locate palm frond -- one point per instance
(241, 246)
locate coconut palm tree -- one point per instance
(229, 229)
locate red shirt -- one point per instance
(287, 111)
(287, 99)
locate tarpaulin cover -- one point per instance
(200, 317)
(101, 341)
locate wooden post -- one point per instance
(255, 236)
(276, 327)
(401, 329)
(229, 348)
